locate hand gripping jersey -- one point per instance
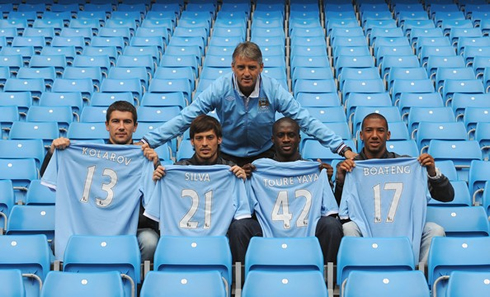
(290, 197)
(198, 200)
(387, 197)
(98, 189)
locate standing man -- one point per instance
(375, 133)
(246, 103)
(122, 122)
(322, 209)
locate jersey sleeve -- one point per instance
(51, 174)
(242, 203)
(148, 185)
(152, 202)
(329, 204)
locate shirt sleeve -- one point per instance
(50, 175)
(242, 203)
(329, 205)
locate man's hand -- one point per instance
(248, 169)
(239, 172)
(327, 167)
(158, 173)
(151, 155)
(350, 155)
(59, 144)
(428, 162)
(342, 169)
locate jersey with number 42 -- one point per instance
(386, 198)
(198, 200)
(98, 190)
(290, 197)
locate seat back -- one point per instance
(283, 254)
(373, 254)
(78, 284)
(468, 283)
(461, 221)
(185, 284)
(28, 253)
(86, 253)
(197, 253)
(284, 284)
(386, 283)
(448, 254)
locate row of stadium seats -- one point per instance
(204, 263)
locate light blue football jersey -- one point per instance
(290, 197)
(198, 200)
(98, 190)
(386, 198)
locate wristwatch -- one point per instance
(344, 150)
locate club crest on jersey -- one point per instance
(263, 104)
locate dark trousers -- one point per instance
(328, 231)
(240, 161)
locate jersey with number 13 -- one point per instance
(98, 190)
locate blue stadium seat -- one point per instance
(48, 74)
(187, 254)
(28, 253)
(35, 86)
(466, 86)
(12, 283)
(114, 85)
(419, 86)
(93, 114)
(428, 114)
(461, 152)
(107, 98)
(85, 253)
(78, 284)
(7, 200)
(403, 147)
(461, 193)
(23, 149)
(448, 254)
(428, 131)
(185, 284)
(460, 221)
(282, 284)
(39, 194)
(283, 254)
(84, 86)
(477, 177)
(72, 99)
(87, 131)
(386, 283)
(466, 282)
(373, 254)
(313, 150)
(482, 135)
(62, 115)
(461, 101)
(32, 219)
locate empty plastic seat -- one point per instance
(466, 282)
(39, 194)
(448, 254)
(478, 176)
(388, 283)
(87, 131)
(428, 114)
(187, 254)
(465, 86)
(461, 152)
(428, 131)
(60, 283)
(85, 253)
(31, 255)
(32, 219)
(373, 254)
(23, 149)
(206, 283)
(35, 86)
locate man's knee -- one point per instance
(147, 240)
(247, 227)
(432, 229)
(329, 225)
(351, 229)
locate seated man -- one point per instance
(121, 122)
(205, 133)
(288, 217)
(375, 133)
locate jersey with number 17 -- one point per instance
(198, 200)
(387, 198)
(98, 190)
(290, 197)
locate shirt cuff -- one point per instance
(437, 176)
